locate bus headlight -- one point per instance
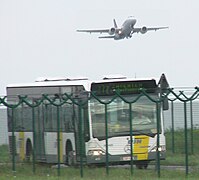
(161, 148)
(96, 152)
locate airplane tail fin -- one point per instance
(115, 24)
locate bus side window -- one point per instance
(68, 119)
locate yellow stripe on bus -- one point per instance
(21, 146)
(140, 149)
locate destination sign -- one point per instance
(123, 87)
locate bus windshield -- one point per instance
(143, 113)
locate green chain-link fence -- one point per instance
(36, 118)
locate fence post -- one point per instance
(158, 138)
(186, 141)
(81, 140)
(191, 118)
(172, 127)
(106, 131)
(34, 139)
(131, 138)
(13, 142)
(58, 141)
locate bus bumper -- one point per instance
(122, 159)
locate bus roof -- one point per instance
(58, 82)
(53, 83)
(123, 80)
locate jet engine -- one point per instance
(143, 30)
(112, 31)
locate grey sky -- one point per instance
(38, 38)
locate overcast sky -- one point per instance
(38, 38)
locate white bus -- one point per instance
(94, 135)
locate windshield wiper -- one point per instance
(135, 132)
(127, 133)
(141, 132)
(113, 135)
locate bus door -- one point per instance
(39, 134)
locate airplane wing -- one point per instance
(145, 29)
(155, 29)
(95, 31)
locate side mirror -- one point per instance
(163, 84)
(165, 104)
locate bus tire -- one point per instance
(142, 165)
(69, 154)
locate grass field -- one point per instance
(24, 171)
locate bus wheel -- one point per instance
(139, 166)
(145, 166)
(28, 151)
(69, 154)
(142, 165)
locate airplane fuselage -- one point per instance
(126, 29)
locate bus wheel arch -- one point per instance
(69, 152)
(29, 149)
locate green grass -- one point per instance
(24, 171)
(4, 154)
(179, 159)
(178, 156)
(179, 141)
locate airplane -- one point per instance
(125, 31)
